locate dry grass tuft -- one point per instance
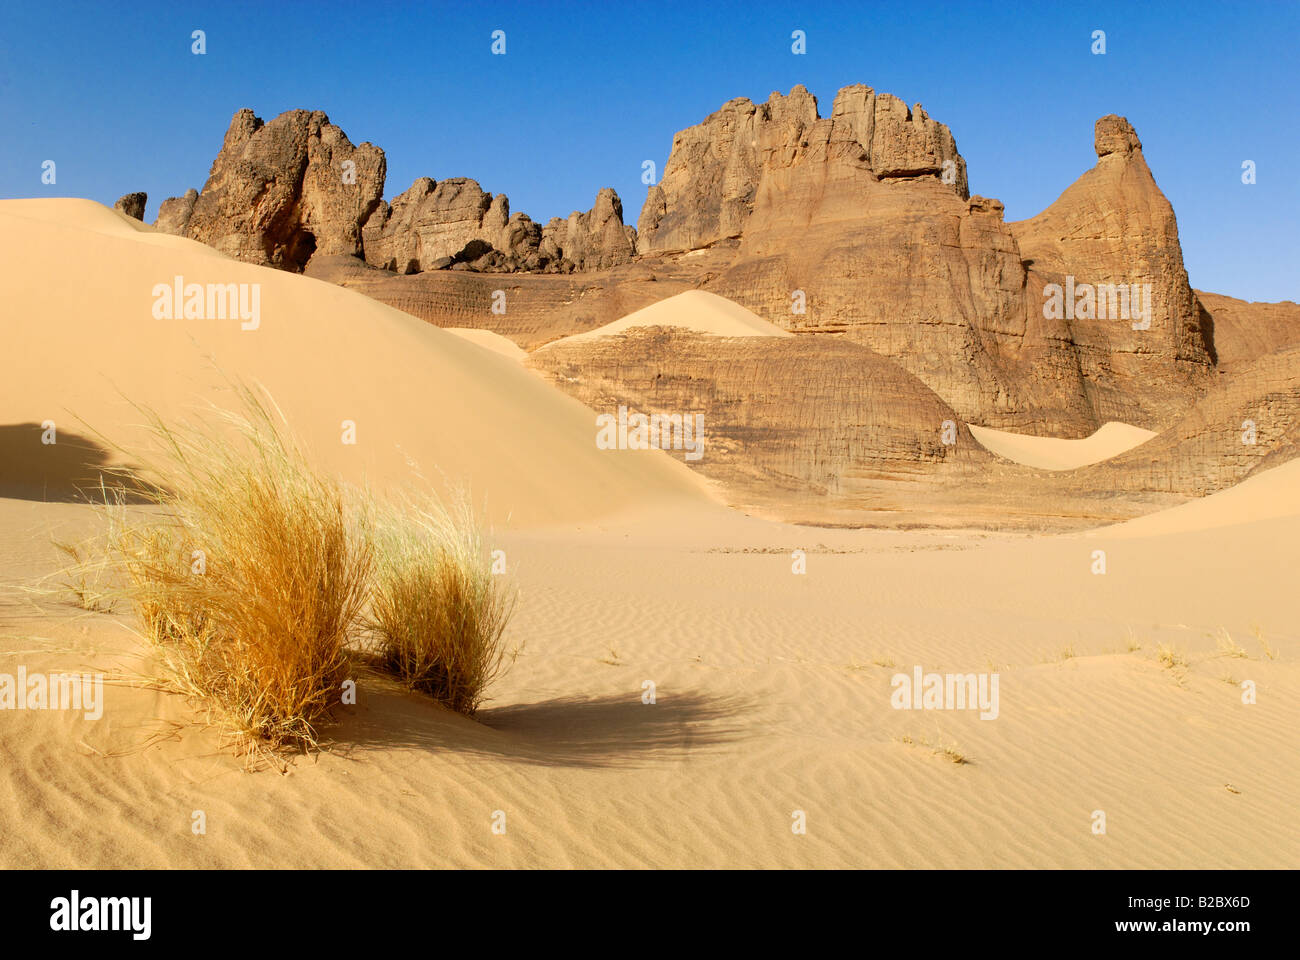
(438, 614)
(1259, 636)
(86, 576)
(1227, 646)
(1170, 657)
(251, 582)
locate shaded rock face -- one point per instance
(714, 172)
(132, 204)
(283, 191)
(175, 212)
(1113, 226)
(1245, 331)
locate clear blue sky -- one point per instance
(587, 91)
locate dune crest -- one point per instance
(695, 310)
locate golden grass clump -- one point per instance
(437, 613)
(253, 578)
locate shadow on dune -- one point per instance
(66, 471)
(567, 731)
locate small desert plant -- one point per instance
(1170, 657)
(1227, 646)
(251, 581)
(437, 612)
(85, 576)
(939, 748)
(1259, 635)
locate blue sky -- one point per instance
(587, 91)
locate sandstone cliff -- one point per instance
(282, 191)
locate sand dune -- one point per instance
(79, 349)
(1050, 453)
(695, 310)
(1269, 495)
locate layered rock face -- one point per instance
(1113, 230)
(132, 204)
(1248, 421)
(792, 425)
(860, 225)
(282, 191)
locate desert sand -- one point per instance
(695, 310)
(772, 688)
(1051, 453)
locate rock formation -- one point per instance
(1245, 331)
(1113, 228)
(456, 224)
(175, 212)
(862, 221)
(282, 191)
(855, 231)
(433, 221)
(713, 175)
(132, 204)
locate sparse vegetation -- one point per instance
(85, 577)
(251, 582)
(1227, 646)
(1170, 657)
(1259, 637)
(438, 614)
(939, 747)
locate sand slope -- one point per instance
(1269, 495)
(1050, 453)
(424, 402)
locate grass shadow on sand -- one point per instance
(66, 471)
(566, 731)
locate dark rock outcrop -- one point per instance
(132, 204)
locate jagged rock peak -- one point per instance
(1114, 134)
(715, 168)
